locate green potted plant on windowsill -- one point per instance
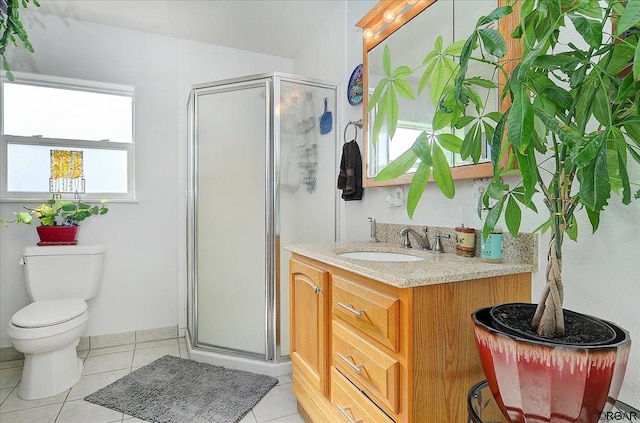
(570, 133)
(59, 219)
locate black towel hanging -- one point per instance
(350, 176)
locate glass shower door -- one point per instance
(231, 149)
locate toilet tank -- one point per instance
(59, 272)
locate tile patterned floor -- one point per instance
(105, 365)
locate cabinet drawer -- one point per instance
(367, 366)
(351, 404)
(371, 312)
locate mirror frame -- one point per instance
(404, 11)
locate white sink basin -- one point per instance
(380, 256)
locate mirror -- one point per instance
(410, 29)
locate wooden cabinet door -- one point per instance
(309, 323)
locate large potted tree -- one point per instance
(568, 133)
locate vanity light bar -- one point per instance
(387, 16)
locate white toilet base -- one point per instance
(50, 373)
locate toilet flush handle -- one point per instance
(22, 262)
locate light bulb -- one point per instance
(389, 16)
(367, 33)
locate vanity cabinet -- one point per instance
(370, 352)
(309, 323)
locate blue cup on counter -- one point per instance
(491, 248)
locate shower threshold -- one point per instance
(269, 368)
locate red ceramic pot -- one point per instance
(536, 381)
(57, 235)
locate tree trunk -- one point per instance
(549, 319)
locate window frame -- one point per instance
(74, 84)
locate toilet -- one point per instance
(58, 279)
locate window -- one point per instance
(41, 114)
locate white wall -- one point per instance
(143, 286)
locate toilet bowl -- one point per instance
(58, 279)
(48, 332)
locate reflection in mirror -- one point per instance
(409, 39)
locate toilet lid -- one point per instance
(47, 313)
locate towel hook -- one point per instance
(356, 124)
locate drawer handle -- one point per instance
(347, 359)
(344, 410)
(350, 309)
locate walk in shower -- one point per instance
(261, 174)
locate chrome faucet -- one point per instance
(372, 230)
(422, 240)
(438, 247)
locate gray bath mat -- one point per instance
(175, 390)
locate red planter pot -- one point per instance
(57, 235)
(536, 381)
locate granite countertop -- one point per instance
(434, 269)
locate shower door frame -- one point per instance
(271, 82)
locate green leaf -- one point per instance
(557, 61)
(465, 56)
(496, 189)
(495, 15)
(492, 218)
(513, 216)
(441, 119)
(401, 72)
(595, 188)
(571, 228)
(567, 135)
(404, 89)
(422, 148)
(398, 167)
(386, 61)
(375, 97)
(450, 142)
(591, 30)
(518, 194)
(529, 171)
(441, 76)
(493, 42)
(616, 139)
(630, 17)
(594, 219)
(390, 104)
(636, 63)
(618, 58)
(442, 172)
(24, 217)
(416, 189)
(455, 48)
(545, 226)
(378, 122)
(472, 145)
(601, 106)
(481, 82)
(496, 141)
(520, 120)
(585, 154)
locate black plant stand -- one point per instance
(483, 408)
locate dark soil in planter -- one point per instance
(579, 329)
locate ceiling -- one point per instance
(274, 27)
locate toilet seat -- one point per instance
(42, 314)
